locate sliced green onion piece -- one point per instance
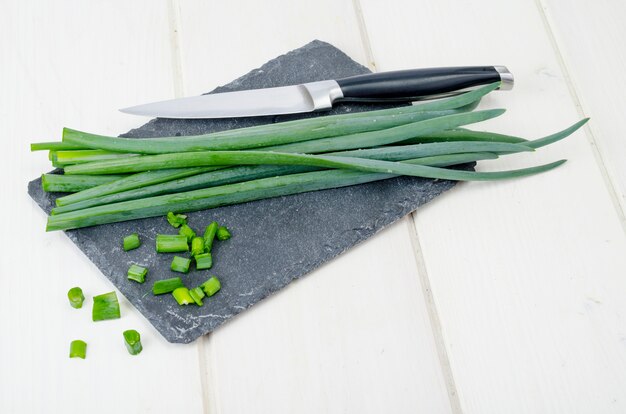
(132, 339)
(211, 286)
(176, 220)
(182, 296)
(137, 273)
(197, 246)
(204, 261)
(171, 243)
(180, 264)
(105, 306)
(78, 349)
(209, 235)
(166, 286)
(187, 231)
(223, 233)
(131, 242)
(197, 294)
(76, 297)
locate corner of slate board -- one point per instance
(274, 241)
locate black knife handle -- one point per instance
(414, 84)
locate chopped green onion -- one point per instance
(105, 306)
(131, 242)
(209, 235)
(182, 296)
(137, 273)
(197, 246)
(187, 231)
(197, 294)
(76, 297)
(204, 261)
(176, 220)
(180, 264)
(78, 349)
(166, 286)
(223, 233)
(211, 286)
(132, 339)
(71, 183)
(171, 243)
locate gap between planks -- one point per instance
(433, 315)
(173, 12)
(609, 180)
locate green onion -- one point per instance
(180, 264)
(105, 307)
(246, 173)
(71, 183)
(64, 158)
(176, 220)
(166, 286)
(54, 146)
(76, 297)
(209, 235)
(187, 231)
(78, 349)
(169, 243)
(260, 189)
(211, 286)
(129, 183)
(204, 261)
(131, 242)
(223, 233)
(197, 246)
(137, 273)
(182, 296)
(197, 294)
(464, 135)
(132, 339)
(272, 134)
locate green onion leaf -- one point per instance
(105, 306)
(211, 286)
(78, 349)
(197, 294)
(176, 220)
(132, 339)
(76, 297)
(171, 243)
(166, 286)
(182, 296)
(131, 242)
(180, 264)
(223, 233)
(71, 183)
(204, 261)
(137, 273)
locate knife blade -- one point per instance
(396, 86)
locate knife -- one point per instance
(397, 86)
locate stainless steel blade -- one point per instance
(307, 97)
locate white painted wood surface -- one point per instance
(503, 297)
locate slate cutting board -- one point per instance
(274, 241)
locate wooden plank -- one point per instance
(590, 38)
(353, 336)
(74, 63)
(527, 275)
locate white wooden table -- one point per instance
(505, 297)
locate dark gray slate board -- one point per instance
(274, 241)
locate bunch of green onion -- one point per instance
(116, 179)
